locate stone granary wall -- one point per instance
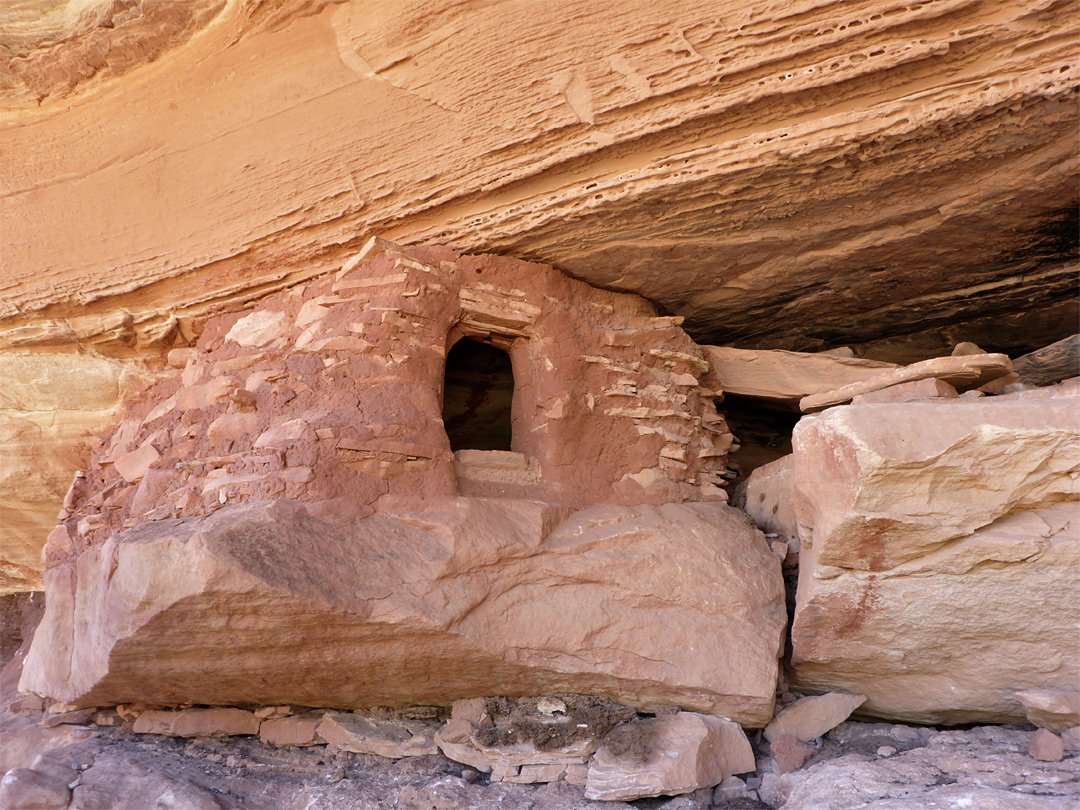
(331, 394)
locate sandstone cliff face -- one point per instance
(51, 409)
(764, 169)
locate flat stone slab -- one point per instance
(962, 372)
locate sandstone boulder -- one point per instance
(768, 500)
(940, 541)
(783, 376)
(878, 485)
(1053, 709)
(427, 602)
(667, 755)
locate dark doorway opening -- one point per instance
(477, 397)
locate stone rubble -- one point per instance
(665, 755)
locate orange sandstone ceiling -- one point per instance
(891, 175)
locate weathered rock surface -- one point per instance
(985, 768)
(940, 541)
(767, 137)
(51, 408)
(667, 755)
(427, 602)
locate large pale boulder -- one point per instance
(427, 601)
(880, 484)
(940, 543)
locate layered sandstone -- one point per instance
(940, 543)
(51, 409)
(425, 602)
(782, 174)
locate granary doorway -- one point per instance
(478, 394)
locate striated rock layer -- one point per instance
(764, 169)
(940, 544)
(425, 602)
(51, 408)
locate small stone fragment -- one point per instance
(1046, 746)
(790, 752)
(886, 751)
(258, 329)
(77, 717)
(810, 717)
(730, 789)
(133, 466)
